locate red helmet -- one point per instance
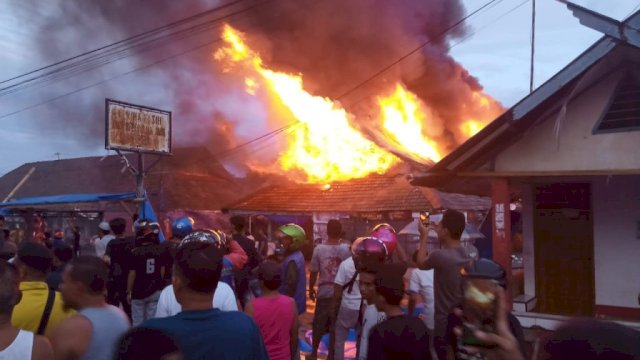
(370, 249)
(387, 234)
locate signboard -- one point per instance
(137, 128)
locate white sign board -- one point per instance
(137, 128)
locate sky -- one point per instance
(497, 53)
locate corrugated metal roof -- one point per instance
(190, 179)
(375, 193)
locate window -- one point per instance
(623, 112)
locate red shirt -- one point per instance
(274, 317)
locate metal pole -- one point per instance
(140, 182)
(533, 42)
(19, 185)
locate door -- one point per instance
(563, 230)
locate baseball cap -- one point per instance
(269, 271)
(35, 256)
(104, 226)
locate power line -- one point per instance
(129, 39)
(120, 50)
(141, 68)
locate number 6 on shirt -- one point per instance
(151, 266)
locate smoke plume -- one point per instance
(335, 44)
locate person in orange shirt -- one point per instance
(40, 309)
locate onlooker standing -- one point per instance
(294, 278)
(61, 256)
(14, 343)
(105, 236)
(371, 316)
(346, 305)
(421, 288)
(41, 308)
(94, 332)
(275, 314)
(146, 273)
(447, 263)
(325, 261)
(400, 336)
(117, 257)
(243, 276)
(201, 331)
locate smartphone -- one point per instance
(425, 218)
(480, 308)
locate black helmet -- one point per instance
(486, 269)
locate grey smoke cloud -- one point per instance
(336, 44)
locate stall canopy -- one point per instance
(146, 211)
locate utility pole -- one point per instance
(533, 42)
(58, 155)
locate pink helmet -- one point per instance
(369, 248)
(387, 234)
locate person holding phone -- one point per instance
(446, 263)
(479, 272)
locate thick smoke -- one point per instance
(336, 44)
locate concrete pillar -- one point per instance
(501, 224)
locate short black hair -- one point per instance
(145, 343)
(91, 271)
(118, 225)
(64, 253)
(455, 222)
(9, 293)
(390, 282)
(35, 256)
(334, 228)
(199, 264)
(238, 222)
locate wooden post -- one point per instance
(501, 224)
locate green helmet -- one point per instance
(296, 233)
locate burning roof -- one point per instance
(373, 193)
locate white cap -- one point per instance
(104, 226)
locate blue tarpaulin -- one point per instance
(67, 199)
(146, 211)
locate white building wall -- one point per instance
(578, 148)
(616, 207)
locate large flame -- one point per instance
(325, 147)
(403, 116)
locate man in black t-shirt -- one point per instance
(243, 277)
(400, 336)
(117, 256)
(146, 275)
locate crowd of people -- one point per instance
(207, 294)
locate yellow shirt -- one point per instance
(28, 313)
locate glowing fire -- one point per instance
(403, 115)
(325, 147)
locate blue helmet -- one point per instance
(182, 227)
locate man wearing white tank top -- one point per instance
(98, 326)
(17, 344)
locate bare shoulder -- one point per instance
(67, 347)
(42, 349)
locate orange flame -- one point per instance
(403, 115)
(326, 147)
